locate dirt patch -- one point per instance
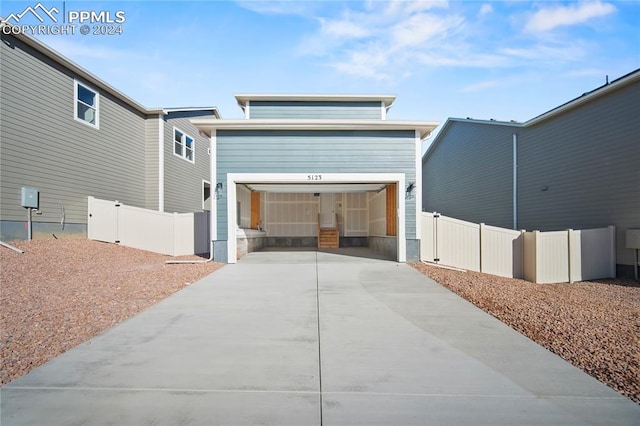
(60, 293)
(595, 325)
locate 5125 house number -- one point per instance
(314, 177)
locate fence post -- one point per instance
(575, 255)
(612, 251)
(536, 259)
(481, 239)
(175, 227)
(436, 259)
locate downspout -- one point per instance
(515, 181)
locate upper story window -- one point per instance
(183, 145)
(87, 105)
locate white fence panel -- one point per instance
(146, 229)
(502, 251)
(458, 243)
(593, 254)
(552, 257)
(174, 234)
(428, 242)
(530, 254)
(102, 223)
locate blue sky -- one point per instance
(481, 59)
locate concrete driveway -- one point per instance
(306, 338)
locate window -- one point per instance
(86, 106)
(183, 145)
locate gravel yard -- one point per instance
(595, 325)
(60, 293)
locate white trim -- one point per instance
(184, 145)
(235, 178)
(418, 188)
(77, 83)
(214, 200)
(209, 124)
(383, 111)
(242, 98)
(161, 162)
(247, 110)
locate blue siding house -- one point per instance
(296, 158)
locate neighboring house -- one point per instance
(298, 159)
(576, 166)
(70, 135)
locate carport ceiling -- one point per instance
(306, 188)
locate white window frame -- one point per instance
(77, 83)
(184, 145)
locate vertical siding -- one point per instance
(183, 179)
(44, 147)
(324, 110)
(468, 175)
(151, 162)
(588, 160)
(315, 152)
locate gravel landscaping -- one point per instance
(60, 293)
(595, 325)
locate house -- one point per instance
(296, 159)
(574, 167)
(298, 170)
(70, 135)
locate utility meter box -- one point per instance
(30, 197)
(633, 238)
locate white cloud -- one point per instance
(547, 19)
(420, 28)
(485, 10)
(343, 29)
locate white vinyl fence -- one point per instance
(175, 234)
(540, 257)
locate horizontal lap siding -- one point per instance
(318, 110)
(66, 160)
(316, 152)
(589, 161)
(468, 175)
(183, 179)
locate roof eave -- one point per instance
(208, 125)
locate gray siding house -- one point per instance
(576, 166)
(70, 135)
(295, 157)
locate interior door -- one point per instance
(327, 210)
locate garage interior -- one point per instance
(318, 216)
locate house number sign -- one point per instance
(314, 177)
